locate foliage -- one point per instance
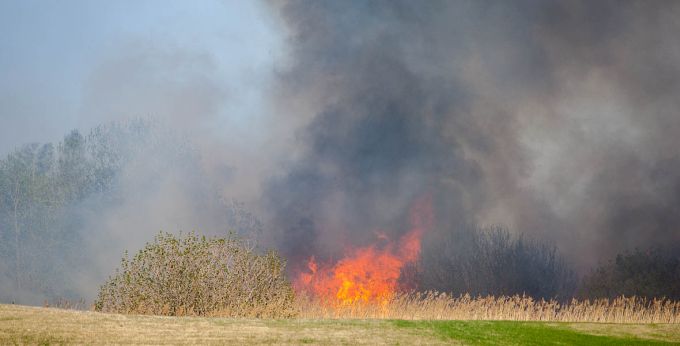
(651, 273)
(57, 202)
(493, 262)
(42, 190)
(192, 275)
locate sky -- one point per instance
(57, 56)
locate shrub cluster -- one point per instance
(492, 261)
(653, 273)
(192, 275)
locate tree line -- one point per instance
(41, 190)
(48, 192)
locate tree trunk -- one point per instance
(17, 242)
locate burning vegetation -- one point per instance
(198, 276)
(368, 274)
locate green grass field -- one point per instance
(32, 325)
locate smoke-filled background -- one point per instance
(315, 124)
(558, 119)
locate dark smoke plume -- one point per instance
(558, 119)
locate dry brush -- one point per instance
(199, 276)
(440, 306)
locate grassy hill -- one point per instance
(33, 325)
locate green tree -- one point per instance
(28, 204)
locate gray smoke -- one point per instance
(558, 119)
(197, 85)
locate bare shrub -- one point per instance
(492, 261)
(199, 276)
(654, 273)
(66, 304)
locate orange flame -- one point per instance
(368, 274)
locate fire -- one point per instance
(371, 273)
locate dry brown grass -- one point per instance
(22, 325)
(440, 306)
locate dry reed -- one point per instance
(440, 306)
(67, 304)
